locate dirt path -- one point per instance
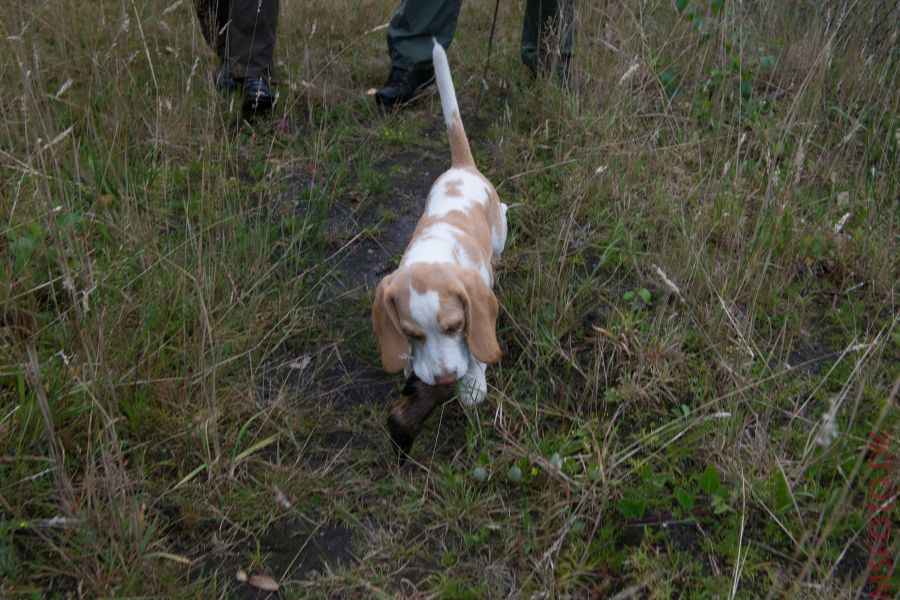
(343, 379)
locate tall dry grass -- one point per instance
(737, 164)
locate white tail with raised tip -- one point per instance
(460, 153)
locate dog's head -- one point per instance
(435, 314)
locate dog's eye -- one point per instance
(454, 328)
(416, 337)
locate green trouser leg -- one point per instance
(242, 32)
(413, 25)
(547, 32)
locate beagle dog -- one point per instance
(436, 314)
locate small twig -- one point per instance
(554, 549)
(667, 520)
(632, 591)
(537, 170)
(738, 563)
(487, 61)
(57, 452)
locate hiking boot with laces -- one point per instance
(225, 80)
(542, 68)
(403, 85)
(258, 97)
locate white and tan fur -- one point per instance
(436, 314)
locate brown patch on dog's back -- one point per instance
(475, 228)
(452, 188)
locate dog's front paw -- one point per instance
(470, 395)
(473, 388)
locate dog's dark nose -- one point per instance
(445, 380)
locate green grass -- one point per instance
(695, 353)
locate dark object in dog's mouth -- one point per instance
(408, 413)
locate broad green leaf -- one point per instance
(577, 527)
(685, 499)
(709, 480)
(780, 492)
(23, 248)
(719, 505)
(632, 508)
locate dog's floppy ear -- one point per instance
(393, 344)
(481, 317)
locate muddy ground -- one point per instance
(341, 379)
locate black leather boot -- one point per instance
(403, 85)
(258, 97)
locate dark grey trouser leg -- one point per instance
(548, 27)
(242, 32)
(411, 28)
(213, 17)
(251, 37)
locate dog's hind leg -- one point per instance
(499, 232)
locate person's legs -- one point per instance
(251, 48)
(213, 18)
(410, 45)
(251, 37)
(547, 33)
(412, 27)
